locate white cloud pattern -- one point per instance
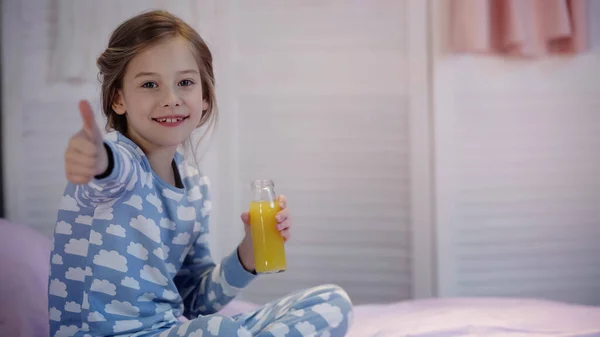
(104, 286)
(170, 295)
(146, 179)
(214, 325)
(111, 259)
(95, 238)
(72, 307)
(66, 331)
(146, 297)
(122, 309)
(95, 316)
(279, 329)
(57, 259)
(197, 333)
(197, 226)
(153, 274)
(116, 230)
(202, 239)
(68, 203)
(77, 247)
(58, 288)
(121, 326)
(207, 206)
(75, 274)
(84, 220)
(306, 329)
(160, 253)
(186, 213)
(64, 228)
(182, 239)
(135, 201)
(171, 268)
(182, 331)
(137, 250)
(155, 201)
(332, 314)
(194, 194)
(130, 282)
(147, 227)
(168, 224)
(54, 314)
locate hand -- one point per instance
(284, 223)
(85, 156)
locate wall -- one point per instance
(517, 164)
(331, 109)
(515, 143)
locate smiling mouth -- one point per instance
(170, 120)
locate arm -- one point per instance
(120, 173)
(101, 170)
(205, 286)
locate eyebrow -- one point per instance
(181, 72)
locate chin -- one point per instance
(166, 140)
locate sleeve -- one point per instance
(205, 286)
(115, 181)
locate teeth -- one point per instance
(169, 120)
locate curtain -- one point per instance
(519, 27)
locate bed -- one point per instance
(24, 254)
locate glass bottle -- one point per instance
(268, 244)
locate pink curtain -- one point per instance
(518, 27)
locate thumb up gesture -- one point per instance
(86, 156)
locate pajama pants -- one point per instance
(324, 311)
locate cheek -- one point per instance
(141, 106)
(195, 103)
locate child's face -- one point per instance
(162, 95)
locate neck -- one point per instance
(161, 162)
(160, 158)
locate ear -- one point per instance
(118, 104)
(204, 105)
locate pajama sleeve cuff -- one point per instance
(234, 272)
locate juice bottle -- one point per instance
(268, 244)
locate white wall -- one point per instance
(517, 163)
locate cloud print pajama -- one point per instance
(131, 258)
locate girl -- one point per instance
(130, 253)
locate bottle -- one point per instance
(268, 244)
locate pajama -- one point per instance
(131, 258)
(322, 311)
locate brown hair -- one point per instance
(132, 37)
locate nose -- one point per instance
(171, 99)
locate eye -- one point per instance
(149, 85)
(186, 83)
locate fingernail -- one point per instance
(278, 217)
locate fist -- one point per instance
(86, 156)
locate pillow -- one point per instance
(24, 268)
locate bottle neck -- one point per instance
(263, 190)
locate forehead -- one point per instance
(164, 57)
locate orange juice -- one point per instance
(268, 244)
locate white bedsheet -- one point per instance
(476, 317)
(485, 317)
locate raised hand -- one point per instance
(85, 156)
